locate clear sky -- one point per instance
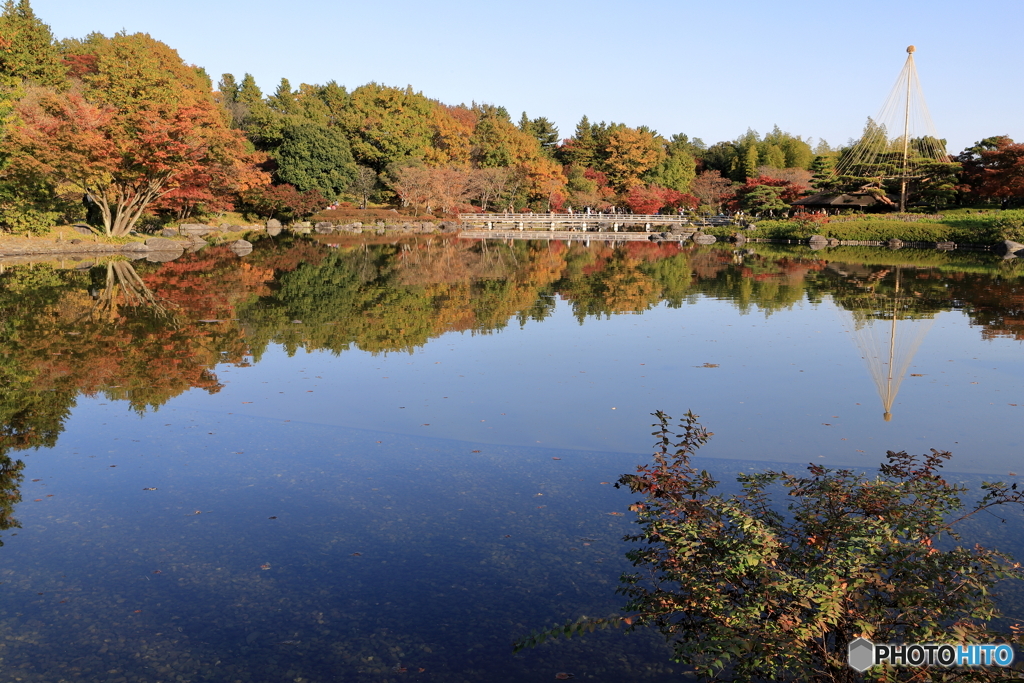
(710, 69)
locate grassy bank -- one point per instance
(987, 227)
(955, 261)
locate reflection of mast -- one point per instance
(888, 337)
(888, 396)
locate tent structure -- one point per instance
(900, 142)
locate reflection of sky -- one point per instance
(236, 546)
(360, 513)
(791, 387)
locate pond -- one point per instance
(385, 461)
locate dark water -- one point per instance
(387, 461)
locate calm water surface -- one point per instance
(330, 462)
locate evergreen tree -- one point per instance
(228, 88)
(677, 171)
(772, 155)
(27, 48)
(284, 100)
(581, 148)
(315, 157)
(248, 92)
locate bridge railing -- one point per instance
(566, 217)
(623, 219)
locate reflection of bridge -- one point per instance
(592, 222)
(577, 236)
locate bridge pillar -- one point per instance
(552, 226)
(521, 225)
(615, 227)
(647, 227)
(490, 225)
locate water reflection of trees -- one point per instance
(146, 333)
(113, 330)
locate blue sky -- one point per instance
(707, 69)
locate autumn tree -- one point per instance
(388, 125)
(445, 189)
(127, 133)
(712, 190)
(632, 152)
(283, 201)
(364, 183)
(650, 199)
(994, 167)
(494, 186)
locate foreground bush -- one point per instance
(773, 583)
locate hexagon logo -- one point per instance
(861, 654)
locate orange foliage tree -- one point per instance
(139, 125)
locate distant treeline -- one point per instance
(118, 130)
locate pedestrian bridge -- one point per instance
(592, 222)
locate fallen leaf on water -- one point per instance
(426, 424)
(1012, 404)
(1012, 474)
(605, 482)
(198, 512)
(137, 611)
(37, 500)
(157, 571)
(37, 480)
(617, 514)
(556, 458)
(244, 402)
(562, 676)
(49, 495)
(421, 669)
(273, 517)
(914, 374)
(826, 424)
(508, 535)
(474, 451)
(113, 465)
(265, 566)
(357, 554)
(149, 488)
